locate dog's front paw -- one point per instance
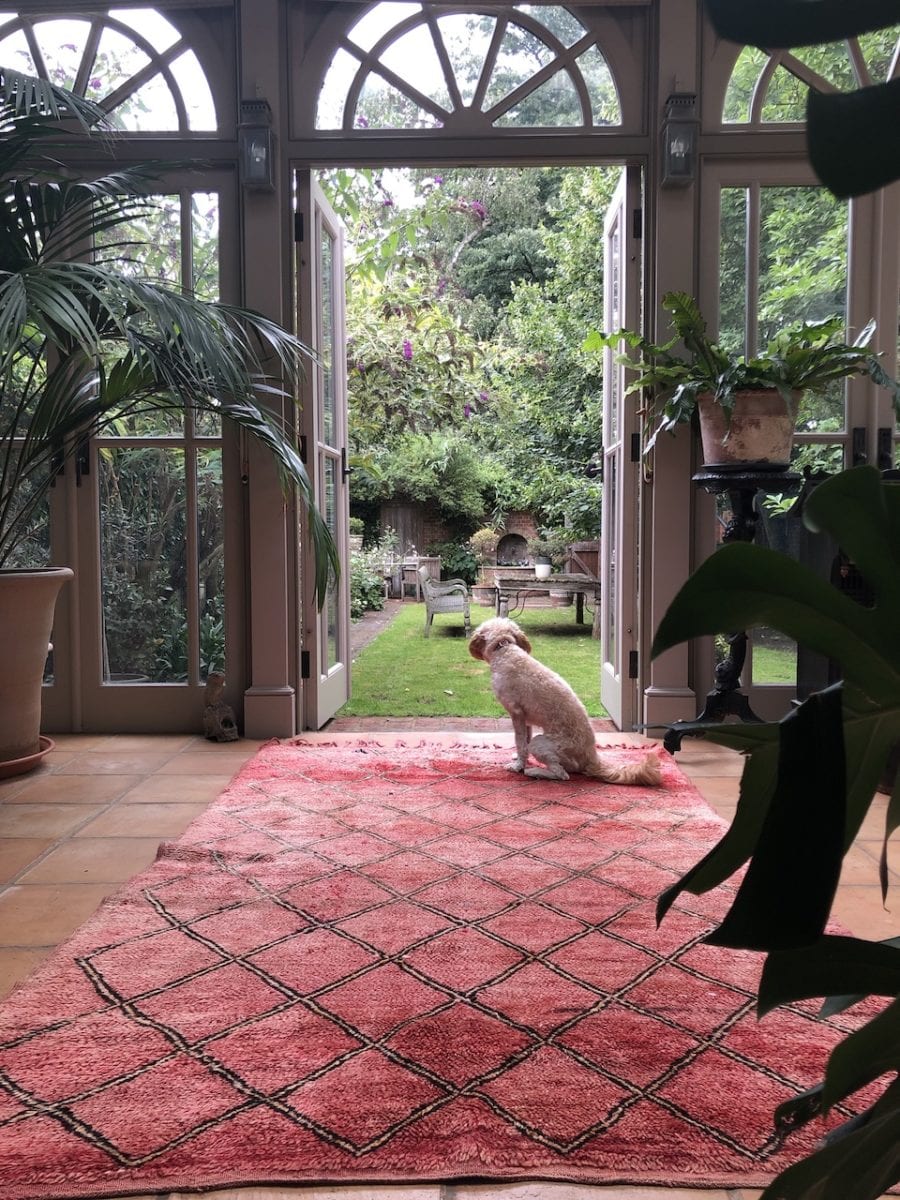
(516, 765)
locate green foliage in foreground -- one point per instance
(806, 789)
(402, 673)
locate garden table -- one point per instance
(521, 587)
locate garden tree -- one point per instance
(421, 287)
(492, 238)
(544, 421)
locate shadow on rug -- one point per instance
(379, 964)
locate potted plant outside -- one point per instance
(85, 344)
(549, 552)
(747, 407)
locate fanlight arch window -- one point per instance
(133, 62)
(468, 70)
(770, 88)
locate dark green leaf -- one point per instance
(778, 23)
(786, 895)
(853, 138)
(832, 966)
(859, 1167)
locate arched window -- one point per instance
(766, 89)
(133, 62)
(469, 70)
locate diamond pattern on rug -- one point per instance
(369, 965)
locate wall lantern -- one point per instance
(256, 146)
(679, 140)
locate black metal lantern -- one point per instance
(679, 140)
(256, 146)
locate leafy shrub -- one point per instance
(367, 574)
(458, 560)
(366, 587)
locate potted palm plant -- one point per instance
(87, 342)
(747, 407)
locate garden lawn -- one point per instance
(404, 674)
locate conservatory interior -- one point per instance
(243, 104)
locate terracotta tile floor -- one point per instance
(93, 814)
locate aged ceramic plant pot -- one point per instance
(759, 431)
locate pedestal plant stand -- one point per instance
(726, 698)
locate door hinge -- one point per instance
(298, 227)
(632, 664)
(637, 223)
(302, 450)
(346, 469)
(635, 447)
(858, 455)
(304, 664)
(885, 449)
(82, 461)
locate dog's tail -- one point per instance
(645, 773)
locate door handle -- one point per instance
(346, 471)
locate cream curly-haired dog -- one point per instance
(532, 694)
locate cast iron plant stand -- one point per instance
(726, 699)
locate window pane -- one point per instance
(205, 245)
(417, 47)
(878, 50)
(558, 20)
(62, 46)
(330, 109)
(211, 551)
(198, 100)
(785, 98)
(555, 103)
(733, 270)
(604, 97)
(467, 39)
(14, 52)
(33, 549)
(150, 108)
(743, 80)
(118, 59)
(155, 28)
(803, 277)
(326, 268)
(143, 565)
(381, 106)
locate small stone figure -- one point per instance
(219, 724)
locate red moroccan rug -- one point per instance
(371, 964)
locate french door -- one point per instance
(140, 516)
(619, 633)
(785, 250)
(325, 636)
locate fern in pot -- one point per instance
(85, 343)
(747, 407)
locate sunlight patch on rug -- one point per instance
(377, 964)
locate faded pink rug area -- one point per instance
(375, 964)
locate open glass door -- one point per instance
(621, 453)
(325, 642)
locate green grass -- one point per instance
(774, 664)
(404, 674)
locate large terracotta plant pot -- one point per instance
(27, 603)
(758, 434)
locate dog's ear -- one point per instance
(477, 645)
(522, 641)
